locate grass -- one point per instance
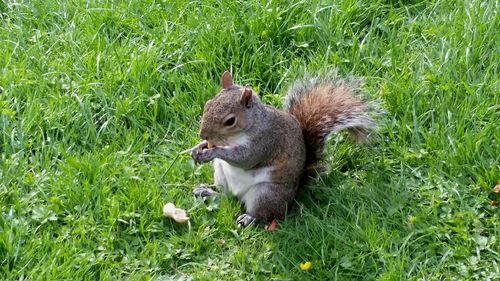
(98, 99)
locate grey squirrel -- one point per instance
(262, 154)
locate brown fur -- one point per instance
(323, 110)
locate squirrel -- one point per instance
(261, 154)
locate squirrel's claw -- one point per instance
(244, 220)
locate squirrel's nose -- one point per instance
(203, 134)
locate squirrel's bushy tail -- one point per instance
(325, 105)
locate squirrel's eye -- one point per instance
(230, 121)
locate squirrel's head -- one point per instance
(229, 114)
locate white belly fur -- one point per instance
(238, 181)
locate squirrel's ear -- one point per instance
(246, 97)
(226, 80)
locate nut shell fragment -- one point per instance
(177, 214)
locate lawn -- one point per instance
(98, 100)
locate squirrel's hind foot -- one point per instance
(244, 220)
(204, 190)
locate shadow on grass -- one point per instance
(355, 224)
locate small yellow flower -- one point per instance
(305, 265)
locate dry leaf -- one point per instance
(178, 215)
(272, 226)
(496, 189)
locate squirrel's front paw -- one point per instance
(244, 220)
(201, 153)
